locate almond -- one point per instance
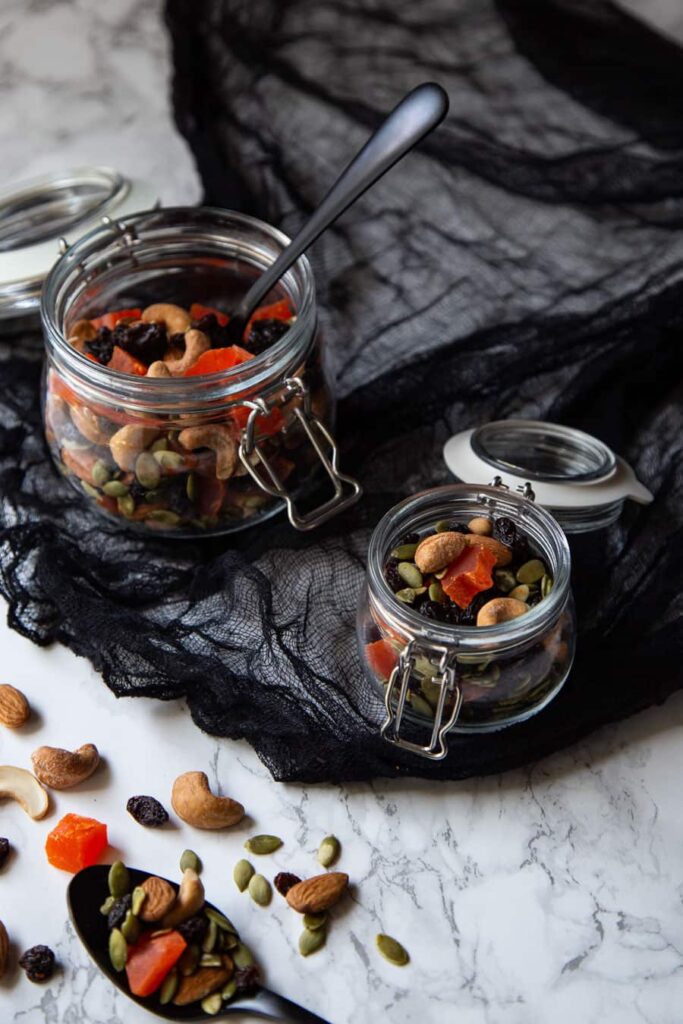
(160, 897)
(14, 708)
(203, 982)
(61, 769)
(319, 893)
(501, 551)
(4, 949)
(436, 552)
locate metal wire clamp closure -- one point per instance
(396, 694)
(347, 491)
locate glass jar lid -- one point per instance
(572, 474)
(36, 214)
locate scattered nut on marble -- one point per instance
(194, 802)
(61, 769)
(14, 708)
(20, 785)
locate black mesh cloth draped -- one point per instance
(527, 261)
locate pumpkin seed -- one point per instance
(148, 471)
(229, 940)
(210, 938)
(210, 960)
(546, 585)
(228, 991)
(221, 920)
(263, 844)
(118, 879)
(138, 898)
(421, 705)
(212, 1004)
(242, 956)
(188, 962)
(91, 491)
(100, 473)
(160, 445)
(163, 516)
(441, 573)
(191, 487)
(168, 988)
(242, 872)
(189, 859)
(115, 489)
(169, 460)
(392, 950)
(311, 942)
(531, 571)
(126, 505)
(436, 593)
(443, 526)
(408, 594)
(260, 891)
(107, 905)
(520, 592)
(404, 552)
(160, 931)
(410, 574)
(312, 922)
(505, 580)
(118, 950)
(130, 929)
(329, 851)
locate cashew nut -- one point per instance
(88, 424)
(194, 802)
(502, 552)
(158, 369)
(189, 900)
(175, 319)
(20, 785)
(128, 442)
(79, 333)
(196, 343)
(500, 609)
(61, 769)
(219, 438)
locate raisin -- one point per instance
(147, 811)
(505, 531)
(146, 342)
(38, 962)
(434, 610)
(247, 979)
(263, 334)
(102, 345)
(392, 577)
(468, 616)
(411, 538)
(194, 929)
(217, 334)
(284, 881)
(117, 914)
(4, 850)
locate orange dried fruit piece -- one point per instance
(150, 960)
(76, 842)
(382, 658)
(468, 575)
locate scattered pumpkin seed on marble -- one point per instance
(212, 1004)
(118, 949)
(260, 890)
(312, 941)
(168, 988)
(313, 922)
(189, 859)
(410, 574)
(328, 851)
(118, 879)
(392, 950)
(263, 844)
(242, 873)
(531, 572)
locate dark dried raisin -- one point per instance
(284, 881)
(4, 850)
(117, 914)
(146, 342)
(247, 979)
(411, 538)
(434, 610)
(102, 345)
(263, 334)
(505, 531)
(209, 325)
(38, 962)
(392, 577)
(147, 811)
(194, 929)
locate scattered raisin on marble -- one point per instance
(284, 881)
(117, 914)
(4, 850)
(264, 333)
(147, 811)
(38, 962)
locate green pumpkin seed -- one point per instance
(100, 473)
(392, 950)
(168, 988)
(263, 844)
(169, 460)
(188, 962)
(210, 938)
(148, 471)
(221, 920)
(118, 879)
(421, 705)
(311, 942)
(118, 950)
(115, 489)
(126, 505)
(229, 941)
(228, 991)
(436, 593)
(505, 580)
(160, 931)
(329, 851)
(312, 922)
(160, 445)
(443, 526)
(242, 956)
(130, 929)
(189, 859)
(404, 552)
(138, 898)
(88, 489)
(546, 585)
(531, 571)
(107, 905)
(242, 872)
(260, 891)
(191, 487)
(520, 592)
(212, 1004)
(408, 594)
(410, 574)
(210, 960)
(163, 516)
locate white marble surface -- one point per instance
(552, 894)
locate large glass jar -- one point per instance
(189, 455)
(435, 677)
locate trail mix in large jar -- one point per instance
(180, 472)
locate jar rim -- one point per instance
(145, 393)
(469, 638)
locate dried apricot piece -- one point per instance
(468, 575)
(76, 842)
(382, 658)
(150, 960)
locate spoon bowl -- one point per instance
(86, 893)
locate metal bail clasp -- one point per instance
(347, 491)
(445, 679)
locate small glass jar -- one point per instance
(435, 677)
(199, 455)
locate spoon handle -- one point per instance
(269, 1005)
(416, 115)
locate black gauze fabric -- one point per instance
(527, 261)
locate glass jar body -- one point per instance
(464, 678)
(169, 455)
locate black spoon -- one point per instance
(86, 893)
(415, 116)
